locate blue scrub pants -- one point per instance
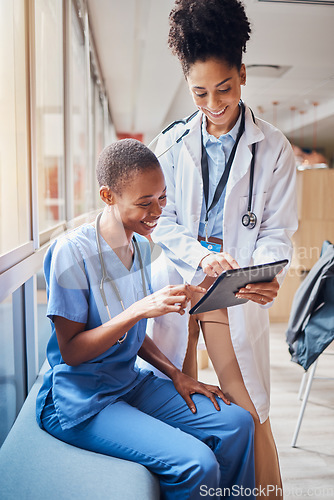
(194, 455)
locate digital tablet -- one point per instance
(222, 292)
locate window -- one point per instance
(98, 137)
(43, 323)
(99, 131)
(7, 372)
(51, 132)
(82, 187)
(14, 178)
(49, 112)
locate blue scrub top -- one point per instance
(73, 274)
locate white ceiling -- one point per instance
(147, 90)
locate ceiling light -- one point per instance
(266, 70)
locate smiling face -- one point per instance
(215, 87)
(139, 204)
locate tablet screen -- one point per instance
(222, 292)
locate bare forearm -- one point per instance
(86, 345)
(78, 345)
(150, 352)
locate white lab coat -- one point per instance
(274, 203)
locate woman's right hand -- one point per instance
(171, 298)
(215, 263)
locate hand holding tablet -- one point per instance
(222, 292)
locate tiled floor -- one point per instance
(308, 469)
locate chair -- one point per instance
(311, 323)
(308, 376)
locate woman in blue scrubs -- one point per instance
(99, 298)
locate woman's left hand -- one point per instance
(261, 293)
(186, 386)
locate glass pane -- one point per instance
(111, 132)
(82, 185)
(50, 112)
(7, 369)
(99, 131)
(99, 139)
(44, 327)
(14, 180)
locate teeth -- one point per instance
(150, 224)
(217, 114)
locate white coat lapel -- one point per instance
(193, 142)
(240, 164)
(190, 178)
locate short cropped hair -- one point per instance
(205, 29)
(120, 160)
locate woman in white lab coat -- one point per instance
(208, 37)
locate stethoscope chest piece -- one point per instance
(249, 220)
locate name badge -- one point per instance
(212, 247)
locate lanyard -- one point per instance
(105, 276)
(223, 180)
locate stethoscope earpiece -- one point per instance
(249, 220)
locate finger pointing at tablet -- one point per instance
(215, 263)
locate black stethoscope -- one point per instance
(185, 121)
(249, 219)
